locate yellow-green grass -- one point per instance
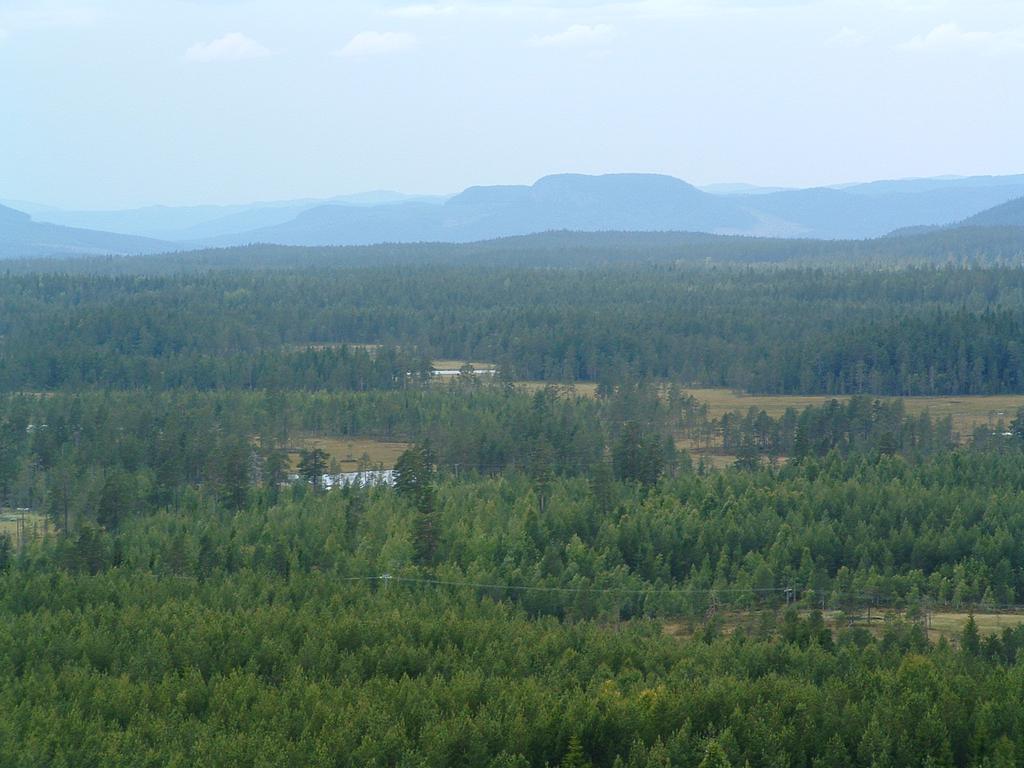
(30, 524)
(348, 452)
(580, 388)
(728, 621)
(948, 624)
(967, 411)
(713, 457)
(952, 624)
(454, 365)
(945, 624)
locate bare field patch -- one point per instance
(579, 388)
(721, 400)
(350, 453)
(727, 622)
(319, 346)
(454, 365)
(967, 411)
(951, 625)
(23, 527)
(713, 458)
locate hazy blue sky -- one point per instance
(127, 102)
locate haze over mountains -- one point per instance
(619, 202)
(20, 236)
(1009, 214)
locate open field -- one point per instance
(952, 624)
(349, 451)
(321, 345)
(948, 624)
(967, 411)
(711, 458)
(454, 365)
(11, 523)
(581, 388)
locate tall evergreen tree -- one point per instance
(313, 466)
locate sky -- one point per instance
(122, 103)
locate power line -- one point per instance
(534, 588)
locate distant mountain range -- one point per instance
(20, 236)
(181, 223)
(616, 202)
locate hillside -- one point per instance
(21, 237)
(192, 222)
(1009, 214)
(871, 211)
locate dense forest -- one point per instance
(129, 668)
(312, 631)
(917, 331)
(576, 562)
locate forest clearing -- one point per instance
(938, 624)
(23, 526)
(350, 453)
(967, 411)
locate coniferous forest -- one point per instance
(561, 571)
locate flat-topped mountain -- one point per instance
(645, 203)
(633, 202)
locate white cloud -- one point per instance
(376, 43)
(949, 36)
(577, 34)
(233, 46)
(847, 37)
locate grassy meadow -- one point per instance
(348, 452)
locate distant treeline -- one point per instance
(963, 246)
(919, 331)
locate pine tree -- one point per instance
(602, 489)
(970, 638)
(575, 757)
(714, 756)
(414, 481)
(274, 473)
(312, 466)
